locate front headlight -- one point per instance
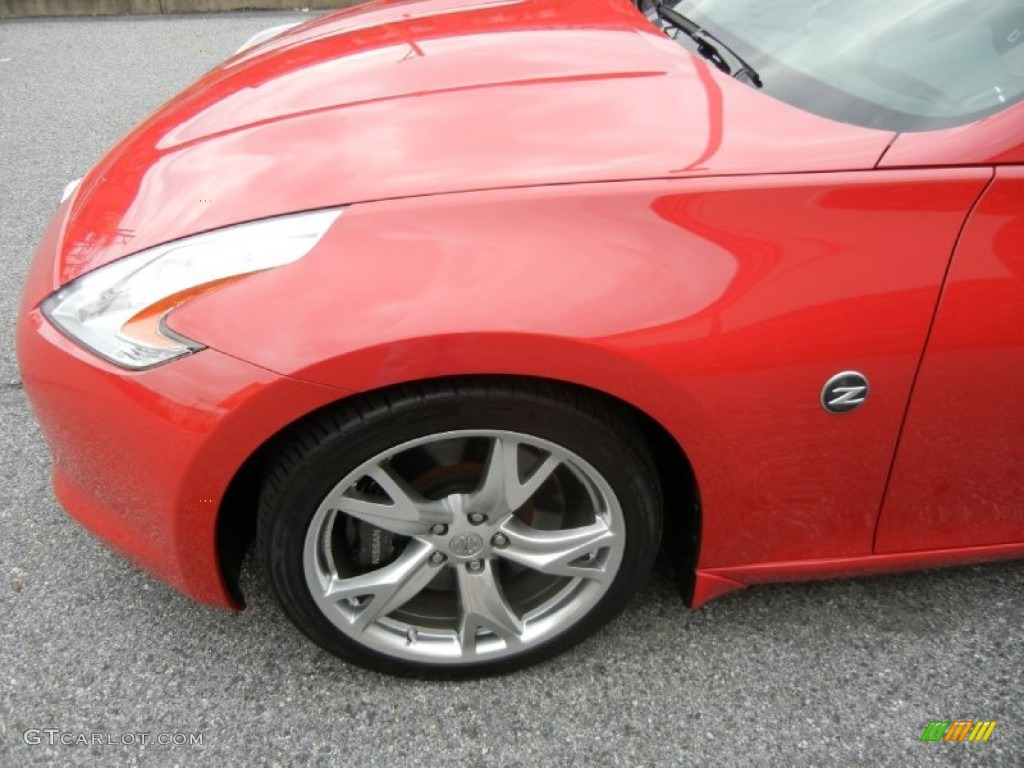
(118, 310)
(266, 34)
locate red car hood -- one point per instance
(414, 98)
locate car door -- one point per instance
(958, 476)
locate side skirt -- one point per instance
(715, 582)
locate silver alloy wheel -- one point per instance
(498, 542)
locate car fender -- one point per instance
(718, 307)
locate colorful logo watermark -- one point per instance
(958, 730)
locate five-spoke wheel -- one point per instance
(436, 535)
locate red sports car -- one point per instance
(462, 309)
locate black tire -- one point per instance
(318, 453)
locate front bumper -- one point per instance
(143, 459)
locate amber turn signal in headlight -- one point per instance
(118, 310)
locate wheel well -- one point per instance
(236, 519)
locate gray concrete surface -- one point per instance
(841, 673)
(29, 8)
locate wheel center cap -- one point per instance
(465, 544)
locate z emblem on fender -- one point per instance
(844, 392)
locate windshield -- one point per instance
(899, 65)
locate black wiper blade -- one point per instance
(705, 47)
(693, 31)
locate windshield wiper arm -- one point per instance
(705, 47)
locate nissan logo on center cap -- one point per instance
(465, 544)
(844, 392)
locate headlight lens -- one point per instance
(118, 310)
(266, 34)
(69, 188)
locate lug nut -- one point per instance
(477, 517)
(475, 565)
(439, 529)
(438, 557)
(499, 540)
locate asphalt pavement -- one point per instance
(840, 673)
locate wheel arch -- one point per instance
(236, 518)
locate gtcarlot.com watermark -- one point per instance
(54, 736)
